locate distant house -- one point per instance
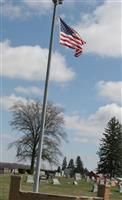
(11, 167)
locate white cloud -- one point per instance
(8, 101)
(30, 63)
(29, 90)
(94, 125)
(25, 8)
(42, 7)
(102, 29)
(110, 90)
(11, 11)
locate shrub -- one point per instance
(21, 171)
(29, 171)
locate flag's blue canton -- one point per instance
(65, 28)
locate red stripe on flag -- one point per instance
(70, 42)
(79, 41)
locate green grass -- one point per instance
(4, 186)
(66, 188)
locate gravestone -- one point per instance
(109, 183)
(56, 181)
(113, 183)
(98, 179)
(87, 179)
(42, 173)
(58, 174)
(43, 177)
(15, 171)
(102, 182)
(95, 188)
(75, 183)
(92, 178)
(62, 173)
(77, 176)
(30, 179)
(120, 187)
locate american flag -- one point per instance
(70, 38)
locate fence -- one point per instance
(15, 193)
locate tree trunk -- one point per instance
(32, 161)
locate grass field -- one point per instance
(66, 187)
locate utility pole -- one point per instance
(39, 154)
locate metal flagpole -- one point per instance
(39, 155)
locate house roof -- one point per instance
(4, 165)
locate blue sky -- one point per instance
(87, 87)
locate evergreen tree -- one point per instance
(71, 164)
(79, 165)
(110, 151)
(59, 169)
(71, 167)
(86, 171)
(64, 164)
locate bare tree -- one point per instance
(26, 119)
